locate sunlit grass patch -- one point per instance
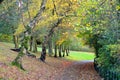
(76, 55)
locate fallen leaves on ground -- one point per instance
(52, 69)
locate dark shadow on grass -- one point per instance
(16, 50)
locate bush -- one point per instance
(109, 57)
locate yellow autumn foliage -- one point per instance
(20, 29)
(48, 19)
(46, 22)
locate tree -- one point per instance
(100, 28)
(60, 14)
(24, 45)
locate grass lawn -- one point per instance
(77, 56)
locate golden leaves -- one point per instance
(20, 29)
(47, 22)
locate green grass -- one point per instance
(77, 56)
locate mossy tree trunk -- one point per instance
(18, 60)
(24, 50)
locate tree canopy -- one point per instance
(58, 23)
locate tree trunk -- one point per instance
(63, 50)
(43, 53)
(50, 51)
(66, 50)
(18, 60)
(60, 51)
(15, 40)
(34, 45)
(31, 43)
(55, 51)
(24, 50)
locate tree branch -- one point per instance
(36, 19)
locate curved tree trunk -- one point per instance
(24, 50)
(42, 57)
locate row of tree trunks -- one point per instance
(62, 50)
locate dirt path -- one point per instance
(83, 70)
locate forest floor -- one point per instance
(52, 69)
